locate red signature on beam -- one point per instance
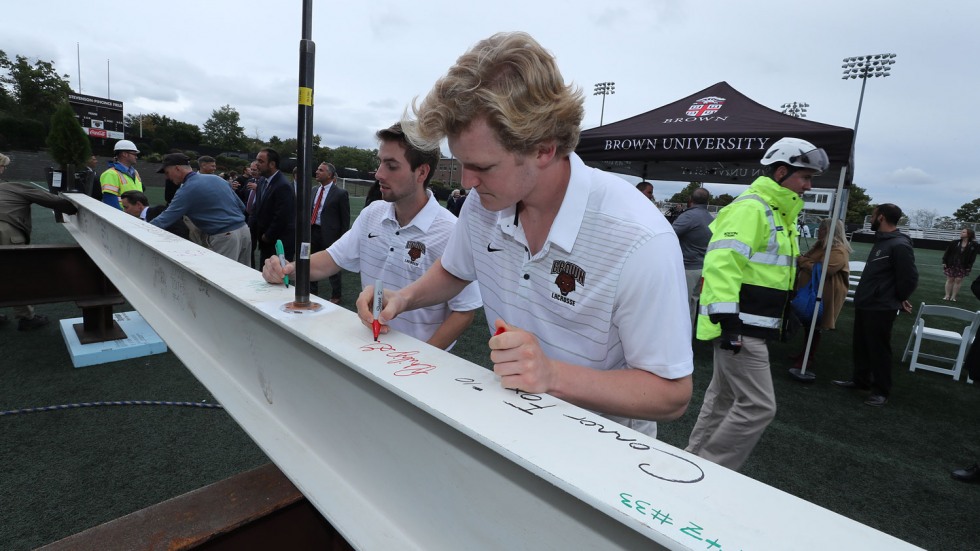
(409, 364)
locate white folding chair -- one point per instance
(941, 320)
(855, 267)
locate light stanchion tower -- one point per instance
(795, 109)
(865, 67)
(604, 89)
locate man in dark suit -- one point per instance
(274, 215)
(455, 202)
(91, 176)
(329, 219)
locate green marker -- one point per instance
(282, 261)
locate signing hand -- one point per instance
(392, 304)
(272, 270)
(519, 361)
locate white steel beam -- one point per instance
(403, 446)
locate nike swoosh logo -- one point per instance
(372, 236)
(491, 249)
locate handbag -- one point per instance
(805, 301)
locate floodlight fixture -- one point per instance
(795, 109)
(865, 67)
(604, 89)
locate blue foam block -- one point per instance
(140, 341)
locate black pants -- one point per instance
(255, 247)
(317, 244)
(266, 250)
(873, 350)
(971, 364)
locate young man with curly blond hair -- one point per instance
(586, 282)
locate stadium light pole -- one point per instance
(604, 89)
(795, 109)
(865, 67)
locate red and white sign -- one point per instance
(98, 133)
(705, 106)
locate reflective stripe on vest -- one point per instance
(761, 321)
(718, 308)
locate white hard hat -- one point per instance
(125, 145)
(798, 153)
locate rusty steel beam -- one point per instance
(62, 273)
(40, 274)
(257, 509)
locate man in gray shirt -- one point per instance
(691, 227)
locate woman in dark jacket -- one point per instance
(958, 261)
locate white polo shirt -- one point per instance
(378, 248)
(607, 290)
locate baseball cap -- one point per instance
(174, 159)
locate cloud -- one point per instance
(611, 17)
(910, 176)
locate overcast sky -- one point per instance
(916, 142)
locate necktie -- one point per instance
(260, 191)
(319, 201)
(251, 201)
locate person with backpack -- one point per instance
(835, 282)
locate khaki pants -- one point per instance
(236, 244)
(738, 405)
(693, 292)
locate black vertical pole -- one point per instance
(304, 157)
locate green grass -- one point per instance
(65, 471)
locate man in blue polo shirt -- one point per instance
(209, 202)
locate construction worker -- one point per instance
(749, 271)
(121, 176)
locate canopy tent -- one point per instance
(716, 135)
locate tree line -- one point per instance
(31, 91)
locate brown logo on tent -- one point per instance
(705, 106)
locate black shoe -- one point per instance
(27, 324)
(969, 474)
(4, 319)
(876, 400)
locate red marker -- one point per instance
(379, 295)
(500, 331)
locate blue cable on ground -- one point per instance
(114, 403)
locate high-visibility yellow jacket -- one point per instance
(750, 265)
(115, 182)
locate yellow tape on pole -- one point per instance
(306, 96)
